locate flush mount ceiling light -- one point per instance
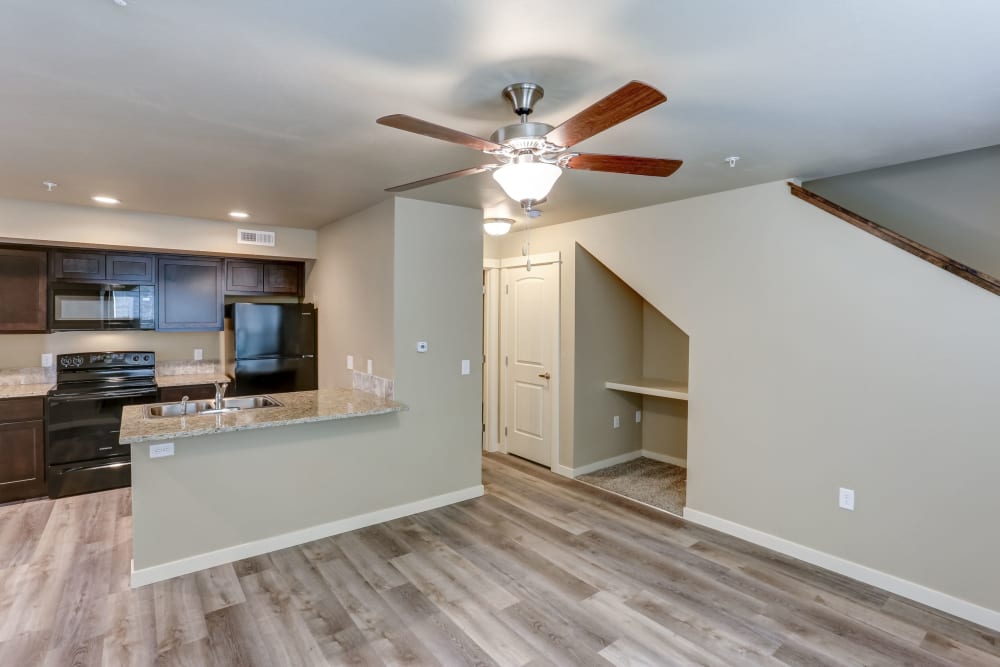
(242, 215)
(104, 199)
(497, 226)
(528, 157)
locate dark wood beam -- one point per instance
(984, 280)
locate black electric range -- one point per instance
(84, 413)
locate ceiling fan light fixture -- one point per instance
(527, 182)
(497, 226)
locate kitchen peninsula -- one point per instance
(248, 482)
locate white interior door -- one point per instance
(530, 347)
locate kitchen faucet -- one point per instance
(220, 391)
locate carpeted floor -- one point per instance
(658, 484)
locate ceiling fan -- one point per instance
(530, 156)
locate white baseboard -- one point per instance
(565, 471)
(664, 458)
(149, 575)
(615, 460)
(908, 589)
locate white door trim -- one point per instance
(491, 355)
(540, 258)
(517, 262)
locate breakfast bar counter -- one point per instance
(296, 408)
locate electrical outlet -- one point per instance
(371, 367)
(638, 416)
(846, 499)
(198, 354)
(350, 362)
(161, 449)
(616, 422)
(46, 361)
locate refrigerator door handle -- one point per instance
(308, 356)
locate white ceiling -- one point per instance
(196, 108)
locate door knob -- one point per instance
(544, 375)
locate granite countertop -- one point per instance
(190, 379)
(23, 390)
(298, 408)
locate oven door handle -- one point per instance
(54, 400)
(117, 464)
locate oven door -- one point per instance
(84, 427)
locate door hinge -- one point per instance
(505, 431)
(505, 360)
(506, 289)
(484, 428)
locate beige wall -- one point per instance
(55, 224)
(822, 357)
(25, 350)
(608, 347)
(263, 483)
(664, 355)
(354, 283)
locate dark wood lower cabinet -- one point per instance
(194, 392)
(22, 449)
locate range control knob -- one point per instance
(145, 357)
(65, 361)
(135, 358)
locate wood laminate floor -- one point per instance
(541, 570)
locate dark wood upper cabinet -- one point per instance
(100, 267)
(244, 277)
(22, 449)
(131, 269)
(190, 294)
(282, 278)
(262, 278)
(23, 277)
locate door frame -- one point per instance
(491, 356)
(501, 348)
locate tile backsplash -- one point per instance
(34, 375)
(164, 368)
(373, 384)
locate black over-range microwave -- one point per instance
(97, 307)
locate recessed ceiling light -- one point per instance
(104, 199)
(239, 214)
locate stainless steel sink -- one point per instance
(207, 406)
(250, 402)
(179, 409)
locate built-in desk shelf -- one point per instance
(651, 387)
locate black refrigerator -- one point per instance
(272, 347)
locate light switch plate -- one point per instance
(465, 367)
(350, 362)
(198, 354)
(616, 422)
(161, 449)
(846, 499)
(47, 360)
(638, 416)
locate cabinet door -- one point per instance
(281, 278)
(190, 294)
(23, 280)
(243, 277)
(79, 266)
(22, 460)
(131, 269)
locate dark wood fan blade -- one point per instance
(442, 177)
(630, 100)
(417, 126)
(624, 164)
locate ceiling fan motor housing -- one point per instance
(522, 136)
